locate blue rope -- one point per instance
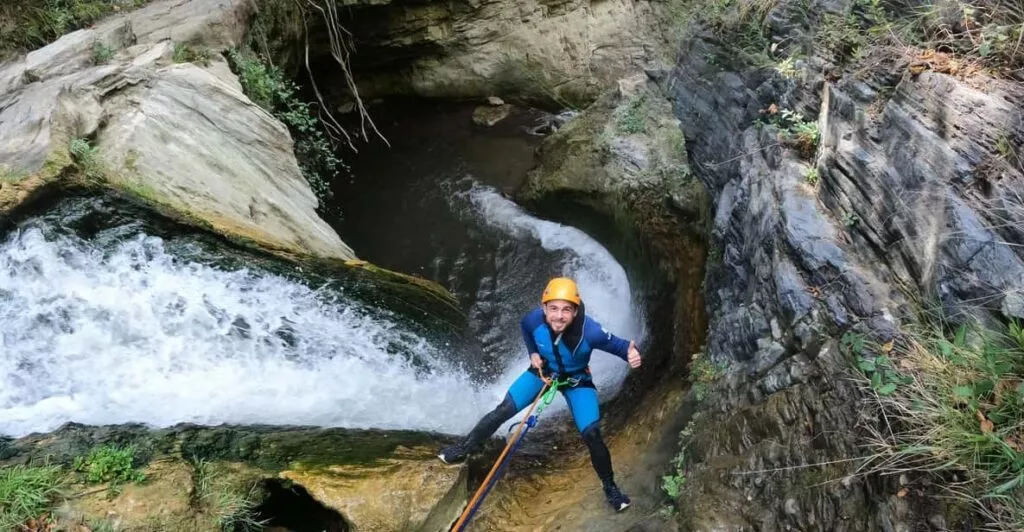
(530, 423)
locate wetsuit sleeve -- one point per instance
(527, 326)
(599, 338)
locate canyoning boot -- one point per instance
(454, 454)
(616, 498)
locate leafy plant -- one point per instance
(878, 369)
(811, 176)
(184, 53)
(86, 158)
(673, 483)
(633, 117)
(267, 87)
(27, 493)
(101, 52)
(841, 36)
(108, 463)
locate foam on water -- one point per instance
(602, 281)
(135, 334)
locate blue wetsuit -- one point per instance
(568, 355)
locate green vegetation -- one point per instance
(27, 493)
(231, 510)
(840, 36)
(184, 53)
(988, 33)
(31, 24)
(633, 117)
(952, 406)
(267, 87)
(101, 52)
(811, 176)
(737, 23)
(107, 463)
(674, 482)
(702, 374)
(87, 159)
(795, 130)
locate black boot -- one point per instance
(454, 454)
(616, 498)
(601, 459)
(484, 428)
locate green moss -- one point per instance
(305, 449)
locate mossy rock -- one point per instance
(202, 478)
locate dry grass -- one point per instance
(951, 405)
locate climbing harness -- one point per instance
(544, 398)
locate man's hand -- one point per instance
(634, 356)
(536, 361)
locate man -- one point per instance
(560, 338)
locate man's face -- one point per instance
(559, 314)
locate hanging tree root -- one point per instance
(341, 47)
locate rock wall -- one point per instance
(913, 197)
(555, 51)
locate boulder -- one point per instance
(180, 137)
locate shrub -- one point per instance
(268, 88)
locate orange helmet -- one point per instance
(561, 288)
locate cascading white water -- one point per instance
(135, 334)
(602, 281)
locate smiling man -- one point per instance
(560, 338)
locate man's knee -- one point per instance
(592, 433)
(507, 408)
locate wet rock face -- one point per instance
(199, 478)
(910, 188)
(561, 51)
(180, 136)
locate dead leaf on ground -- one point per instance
(887, 347)
(986, 425)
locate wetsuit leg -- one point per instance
(585, 412)
(522, 392)
(525, 389)
(583, 403)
